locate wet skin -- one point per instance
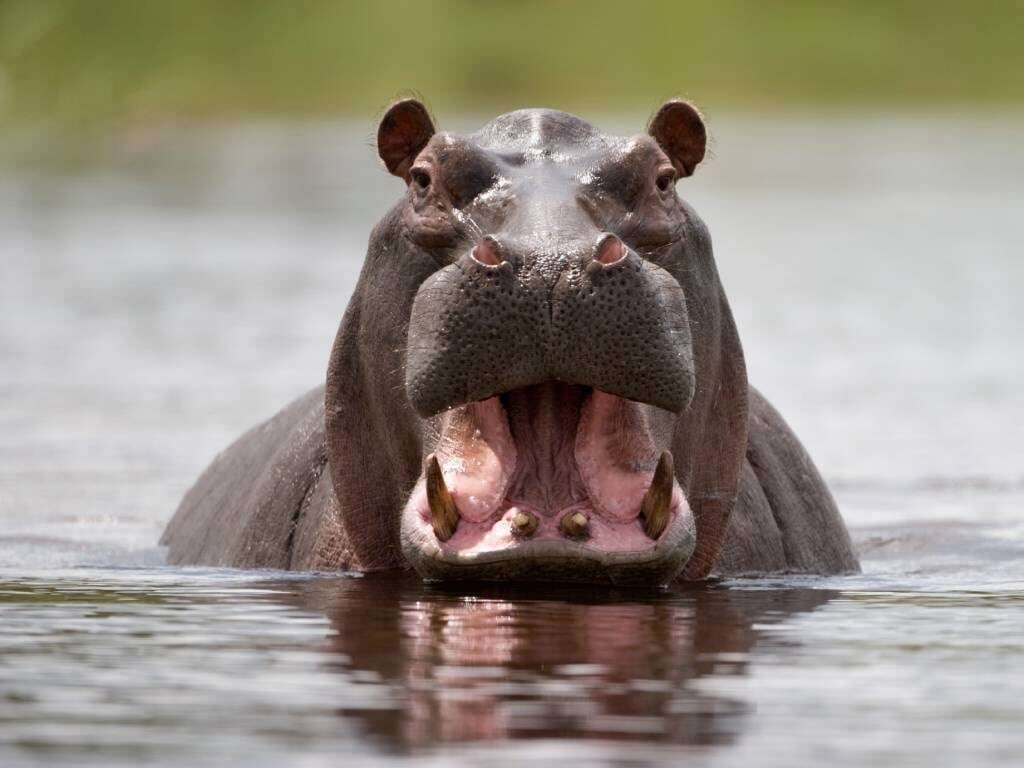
(537, 378)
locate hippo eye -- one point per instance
(420, 178)
(666, 179)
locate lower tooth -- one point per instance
(575, 526)
(444, 516)
(524, 524)
(654, 507)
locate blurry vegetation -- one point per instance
(76, 61)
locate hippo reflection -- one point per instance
(498, 663)
(537, 378)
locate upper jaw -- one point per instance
(548, 483)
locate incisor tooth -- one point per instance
(524, 524)
(575, 526)
(654, 508)
(444, 517)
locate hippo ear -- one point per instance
(679, 130)
(403, 133)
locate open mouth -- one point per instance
(548, 482)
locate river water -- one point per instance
(162, 289)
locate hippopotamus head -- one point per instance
(538, 376)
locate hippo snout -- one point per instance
(498, 319)
(538, 372)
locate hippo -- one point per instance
(537, 378)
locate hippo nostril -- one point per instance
(610, 250)
(487, 252)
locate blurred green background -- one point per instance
(88, 61)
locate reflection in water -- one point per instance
(503, 663)
(113, 666)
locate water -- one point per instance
(168, 288)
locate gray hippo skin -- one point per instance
(538, 377)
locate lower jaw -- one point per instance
(553, 558)
(576, 467)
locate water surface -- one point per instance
(169, 288)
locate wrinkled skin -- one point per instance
(538, 377)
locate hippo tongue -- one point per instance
(548, 447)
